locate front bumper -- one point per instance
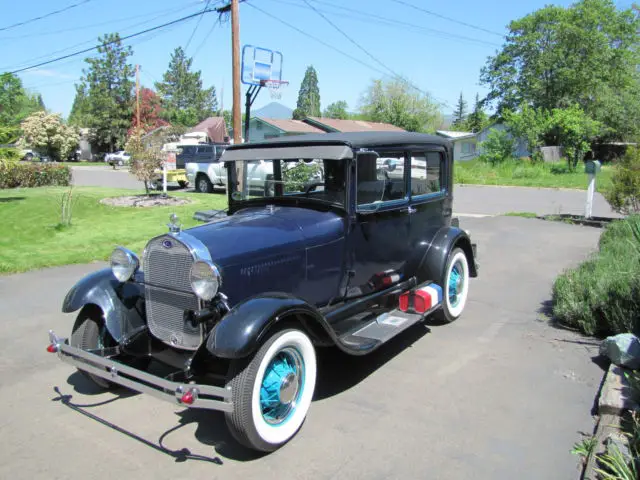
(204, 396)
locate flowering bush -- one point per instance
(14, 175)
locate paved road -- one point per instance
(499, 394)
(483, 200)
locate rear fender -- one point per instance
(122, 304)
(242, 330)
(436, 252)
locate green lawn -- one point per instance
(30, 238)
(526, 174)
(85, 164)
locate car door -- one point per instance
(378, 243)
(430, 203)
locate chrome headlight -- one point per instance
(205, 279)
(124, 264)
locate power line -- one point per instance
(444, 17)
(197, 24)
(182, 19)
(55, 12)
(206, 37)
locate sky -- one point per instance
(440, 56)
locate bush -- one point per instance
(624, 193)
(14, 175)
(602, 295)
(498, 147)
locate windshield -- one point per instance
(310, 178)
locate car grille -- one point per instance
(166, 264)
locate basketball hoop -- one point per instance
(275, 87)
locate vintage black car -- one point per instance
(353, 244)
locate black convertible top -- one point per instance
(352, 139)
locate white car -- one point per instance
(119, 158)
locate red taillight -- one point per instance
(189, 397)
(404, 301)
(52, 348)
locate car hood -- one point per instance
(256, 233)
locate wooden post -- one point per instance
(138, 95)
(237, 106)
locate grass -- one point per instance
(33, 238)
(527, 174)
(521, 214)
(85, 164)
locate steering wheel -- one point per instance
(309, 186)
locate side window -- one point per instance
(380, 179)
(426, 173)
(205, 150)
(188, 150)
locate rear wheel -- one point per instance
(272, 391)
(90, 332)
(203, 184)
(183, 184)
(455, 286)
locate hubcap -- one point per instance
(203, 185)
(281, 386)
(456, 284)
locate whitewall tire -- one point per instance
(455, 286)
(272, 391)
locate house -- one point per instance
(464, 144)
(212, 129)
(261, 128)
(521, 148)
(336, 125)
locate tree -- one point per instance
(47, 133)
(150, 111)
(575, 131)
(477, 120)
(80, 114)
(460, 114)
(107, 88)
(585, 54)
(337, 110)
(624, 192)
(398, 103)
(145, 159)
(308, 96)
(498, 147)
(184, 100)
(531, 124)
(15, 103)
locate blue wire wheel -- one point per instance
(282, 386)
(457, 283)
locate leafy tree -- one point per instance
(308, 96)
(554, 57)
(184, 100)
(145, 159)
(575, 131)
(45, 132)
(337, 110)
(15, 103)
(150, 111)
(477, 119)
(398, 103)
(498, 147)
(460, 114)
(531, 124)
(108, 88)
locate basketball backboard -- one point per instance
(260, 64)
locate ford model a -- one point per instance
(352, 243)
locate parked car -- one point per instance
(237, 307)
(119, 158)
(202, 165)
(32, 156)
(199, 153)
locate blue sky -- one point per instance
(432, 53)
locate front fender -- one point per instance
(433, 257)
(241, 330)
(121, 303)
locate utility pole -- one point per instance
(138, 95)
(237, 116)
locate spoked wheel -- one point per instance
(455, 286)
(272, 392)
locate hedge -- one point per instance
(14, 175)
(602, 295)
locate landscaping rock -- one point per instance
(616, 393)
(623, 350)
(144, 201)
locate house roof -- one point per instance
(454, 135)
(335, 125)
(351, 139)
(290, 126)
(215, 128)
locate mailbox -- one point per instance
(592, 166)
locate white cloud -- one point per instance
(43, 72)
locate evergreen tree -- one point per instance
(308, 96)
(184, 100)
(477, 120)
(104, 99)
(460, 113)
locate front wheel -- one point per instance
(203, 184)
(455, 286)
(272, 391)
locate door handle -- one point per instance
(411, 210)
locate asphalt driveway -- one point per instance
(499, 394)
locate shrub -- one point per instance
(14, 175)
(624, 193)
(602, 295)
(498, 147)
